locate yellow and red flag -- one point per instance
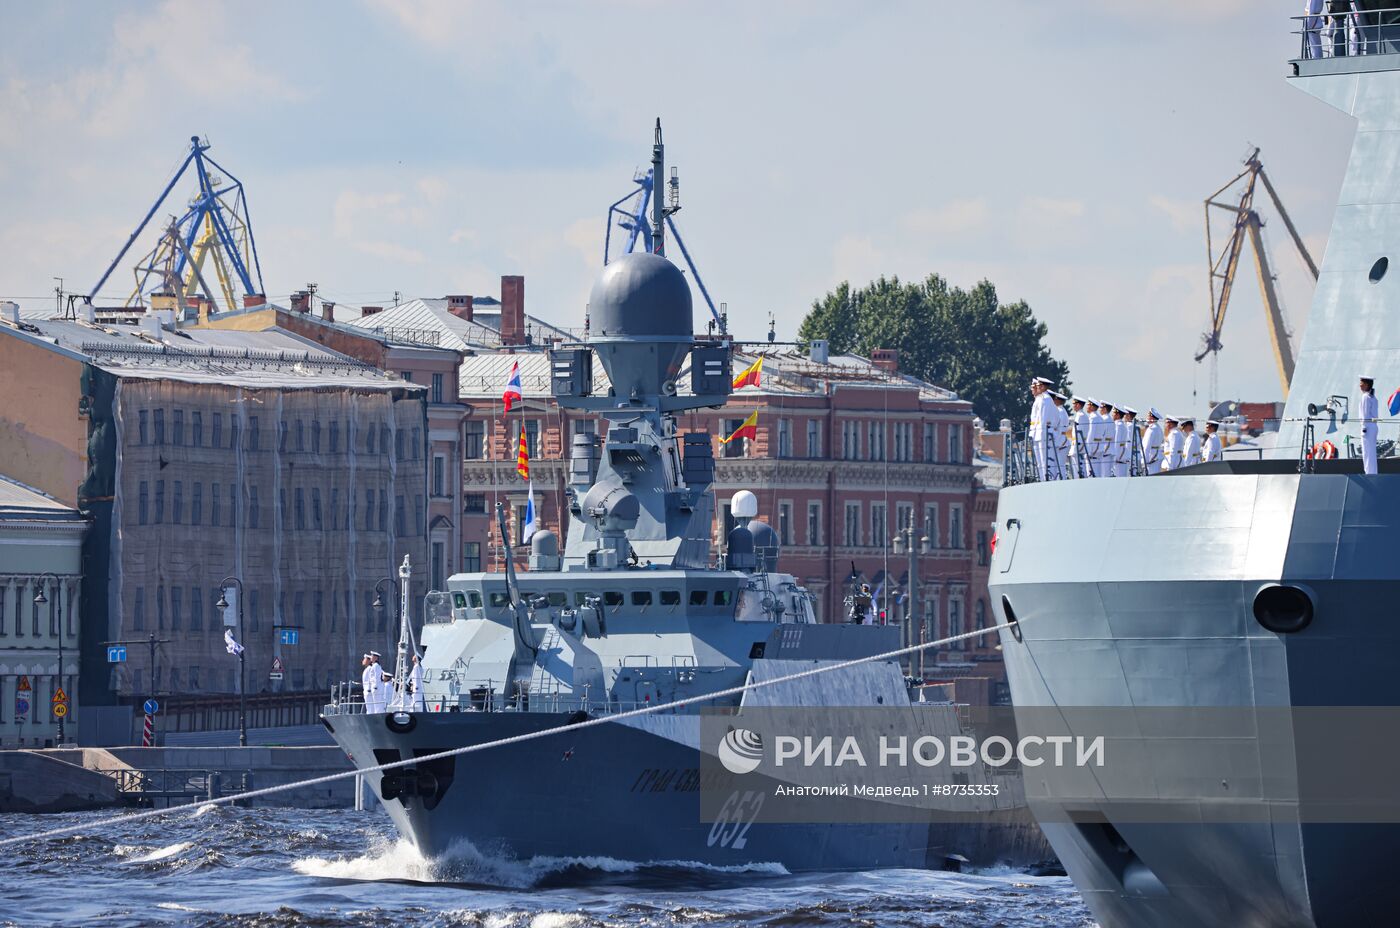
(753, 374)
(747, 429)
(522, 456)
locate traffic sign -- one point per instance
(59, 695)
(151, 707)
(116, 654)
(21, 708)
(23, 686)
(275, 675)
(277, 667)
(60, 709)
(290, 636)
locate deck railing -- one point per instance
(1359, 29)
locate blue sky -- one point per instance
(1061, 150)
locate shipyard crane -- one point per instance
(629, 215)
(214, 228)
(1223, 266)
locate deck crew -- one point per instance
(1370, 412)
(415, 685)
(1120, 441)
(1060, 434)
(1172, 443)
(1078, 437)
(1152, 443)
(1042, 421)
(1210, 448)
(1191, 444)
(1312, 27)
(861, 604)
(1104, 445)
(370, 682)
(1133, 454)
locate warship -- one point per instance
(632, 610)
(1252, 591)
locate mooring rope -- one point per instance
(129, 817)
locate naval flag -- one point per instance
(1394, 403)
(747, 429)
(530, 524)
(512, 392)
(753, 374)
(232, 646)
(522, 456)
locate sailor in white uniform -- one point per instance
(369, 682)
(1104, 446)
(1132, 455)
(1191, 445)
(1210, 448)
(1079, 437)
(1042, 421)
(1370, 412)
(1060, 435)
(1120, 442)
(1152, 442)
(415, 685)
(1173, 442)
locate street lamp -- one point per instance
(904, 542)
(40, 599)
(222, 605)
(379, 597)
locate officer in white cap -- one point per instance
(1210, 448)
(1061, 435)
(1173, 442)
(370, 682)
(1191, 446)
(1104, 448)
(1079, 437)
(1152, 442)
(1132, 455)
(1042, 421)
(1120, 442)
(1370, 412)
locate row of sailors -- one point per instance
(1094, 439)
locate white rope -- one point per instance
(502, 742)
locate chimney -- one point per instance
(301, 302)
(512, 310)
(150, 325)
(819, 351)
(886, 359)
(370, 310)
(460, 306)
(87, 313)
(9, 312)
(253, 299)
(327, 311)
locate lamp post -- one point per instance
(379, 597)
(904, 542)
(40, 599)
(222, 604)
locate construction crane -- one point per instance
(1223, 266)
(629, 214)
(214, 228)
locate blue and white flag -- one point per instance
(232, 646)
(530, 525)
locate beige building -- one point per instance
(41, 544)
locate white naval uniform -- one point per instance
(1061, 437)
(370, 681)
(1210, 449)
(1152, 448)
(1191, 450)
(1042, 420)
(1079, 444)
(415, 680)
(1103, 465)
(1121, 430)
(1370, 412)
(1176, 445)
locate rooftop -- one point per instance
(20, 503)
(483, 330)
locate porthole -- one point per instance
(1378, 269)
(1283, 609)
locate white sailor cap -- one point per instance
(1172, 418)
(1058, 395)
(1045, 380)
(1106, 405)
(1189, 420)
(1214, 422)
(1076, 398)
(1091, 401)
(1367, 377)
(366, 656)
(1152, 411)
(1128, 410)
(374, 654)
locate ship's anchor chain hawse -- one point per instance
(98, 824)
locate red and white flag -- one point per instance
(512, 386)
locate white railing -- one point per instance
(1341, 30)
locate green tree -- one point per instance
(966, 340)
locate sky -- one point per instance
(1060, 150)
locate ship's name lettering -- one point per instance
(674, 780)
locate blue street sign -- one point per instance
(116, 654)
(21, 708)
(290, 636)
(151, 707)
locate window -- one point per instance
(850, 440)
(904, 441)
(160, 501)
(197, 428)
(955, 621)
(335, 509)
(300, 502)
(471, 557)
(369, 510)
(160, 426)
(930, 434)
(474, 503)
(398, 445)
(879, 525)
(283, 513)
(877, 441)
(214, 504)
(641, 597)
(784, 438)
(318, 609)
(735, 448)
(698, 597)
(142, 431)
(955, 526)
(315, 436)
(254, 434)
(383, 510)
(532, 437)
(177, 427)
(400, 517)
(785, 523)
(316, 508)
(670, 597)
(283, 430)
(814, 438)
(369, 439)
(904, 518)
(814, 523)
(981, 552)
(196, 503)
(138, 611)
(437, 388)
(852, 536)
(216, 438)
(196, 609)
(176, 620)
(436, 565)
(419, 513)
(252, 503)
(724, 597)
(417, 443)
(981, 614)
(612, 598)
(931, 526)
(177, 509)
(473, 441)
(955, 454)
(519, 528)
(143, 498)
(254, 610)
(583, 427)
(233, 506)
(335, 437)
(160, 607)
(439, 475)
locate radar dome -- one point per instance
(744, 505)
(641, 295)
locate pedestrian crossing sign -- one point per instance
(23, 685)
(59, 696)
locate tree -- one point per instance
(966, 340)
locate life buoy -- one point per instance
(1323, 450)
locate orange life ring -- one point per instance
(1323, 450)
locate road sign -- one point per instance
(151, 707)
(23, 686)
(59, 696)
(277, 667)
(21, 708)
(60, 709)
(290, 636)
(116, 654)
(275, 675)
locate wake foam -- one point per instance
(133, 853)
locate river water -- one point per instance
(291, 867)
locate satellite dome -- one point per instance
(744, 505)
(641, 295)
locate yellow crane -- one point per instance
(1247, 225)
